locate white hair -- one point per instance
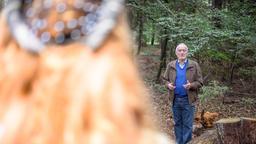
(181, 45)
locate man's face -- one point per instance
(181, 53)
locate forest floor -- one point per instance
(237, 104)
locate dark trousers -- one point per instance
(183, 114)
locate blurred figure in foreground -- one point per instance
(67, 76)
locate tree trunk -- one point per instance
(195, 6)
(248, 128)
(141, 26)
(163, 46)
(208, 137)
(232, 68)
(228, 131)
(140, 17)
(226, 3)
(172, 50)
(153, 38)
(217, 4)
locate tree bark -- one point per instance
(217, 4)
(208, 137)
(232, 68)
(153, 38)
(228, 131)
(248, 128)
(141, 27)
(140, 17)
(172, 49)
(163, 46)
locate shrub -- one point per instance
(213, 89)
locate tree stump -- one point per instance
(228, 131)
(248, 128)
(208, 137)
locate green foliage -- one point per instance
(216, 56)
(248, 73)
(222, 37)
(212, 90)
(248, 101)
(160, 88)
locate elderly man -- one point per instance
(184, 78)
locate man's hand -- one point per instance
(187, 86)
(171, 86)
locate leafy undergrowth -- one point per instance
(234, 104)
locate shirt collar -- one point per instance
(184, 61)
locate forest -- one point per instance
(218, 32)
(221, 36)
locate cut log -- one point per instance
(208, 137)
(248, 128)
(228, 131)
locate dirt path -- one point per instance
(160, 101)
